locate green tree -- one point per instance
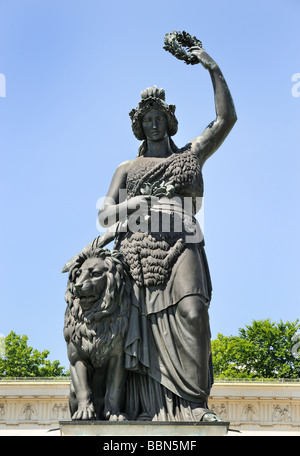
(19, 360)
(261, 350)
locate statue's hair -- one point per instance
(152, 98)
(107, 316)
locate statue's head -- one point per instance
(152, 98)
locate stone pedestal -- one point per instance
(142, 428)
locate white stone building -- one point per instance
(35, 407)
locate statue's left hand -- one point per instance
(206, 61)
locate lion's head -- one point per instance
(98, 291)
(90, 281)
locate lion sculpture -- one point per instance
(96, 321)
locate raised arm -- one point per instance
(215, 133)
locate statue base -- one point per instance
(132, 429)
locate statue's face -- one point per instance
(155, 125)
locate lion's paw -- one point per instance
(110, 416)
(84, 412)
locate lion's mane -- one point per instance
(95, 330)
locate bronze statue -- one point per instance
(150, 212)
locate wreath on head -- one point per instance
(175, 43)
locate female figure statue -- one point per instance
(168, 354)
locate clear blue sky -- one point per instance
(73, 71)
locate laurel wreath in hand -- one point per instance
(158, 189)
(175, 43)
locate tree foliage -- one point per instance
(262, 350)
(19, 360)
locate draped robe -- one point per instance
(165, 381)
